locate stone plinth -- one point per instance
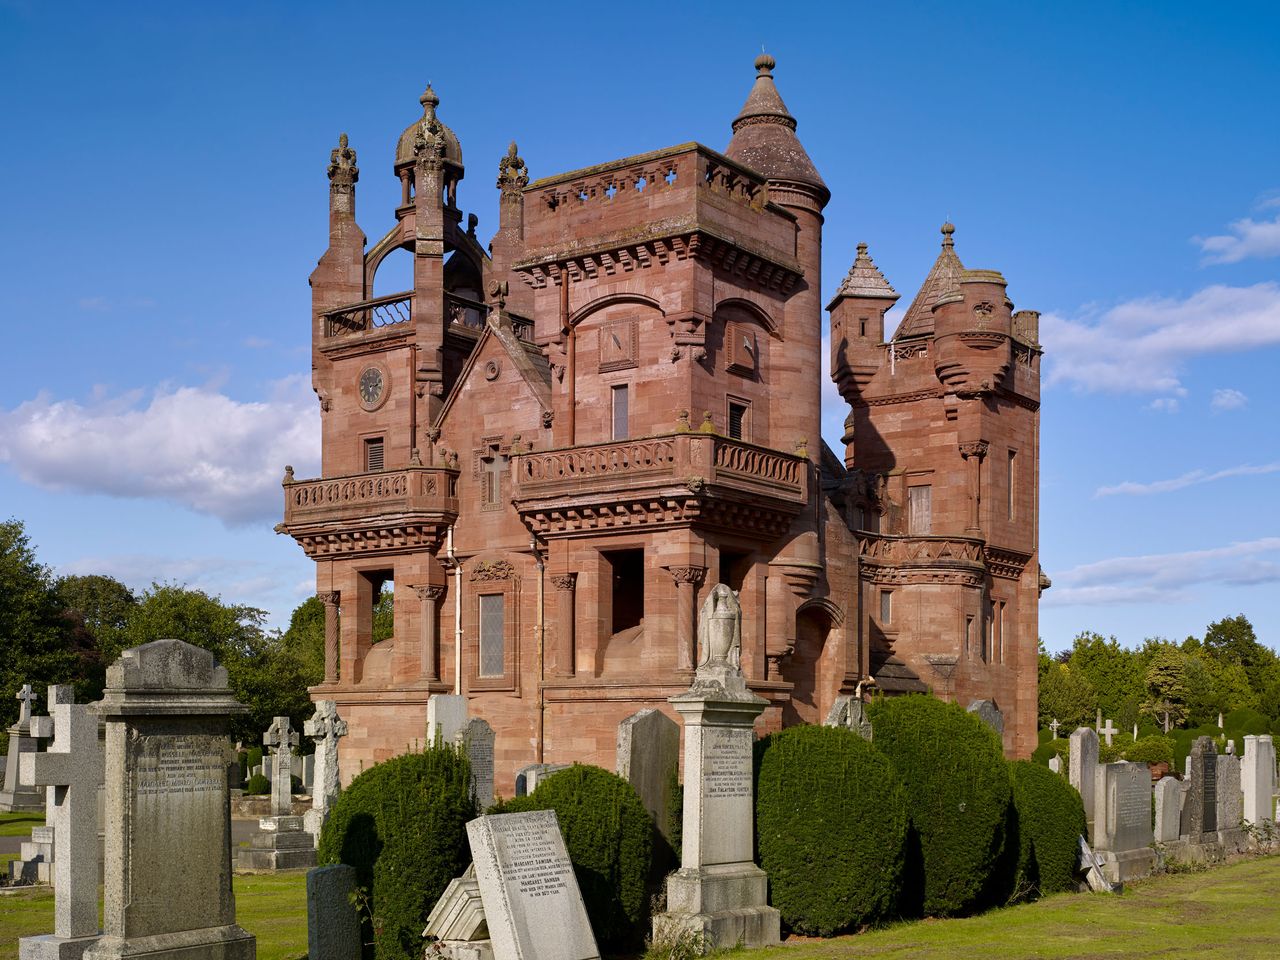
(280, 843)
(168, 820)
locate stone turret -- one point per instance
(972, 324)
(857, 324)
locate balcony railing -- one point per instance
(695, 460)
(398, 308)
(411, 490)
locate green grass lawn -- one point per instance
(19, 824)
(1225, 912)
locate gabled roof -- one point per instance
(864, 280)
(942, 279)
(525, 357)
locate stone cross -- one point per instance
(1054, 727)
(282, 739)
(1108, 731)
(24, 712)
(72, 769)
(325, 728)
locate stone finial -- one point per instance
(765, 65)
(720, 630)
(288, 473)
(429, 100)
(343, 171)
(948, 232)
(512, 172)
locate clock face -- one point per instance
(371, 386)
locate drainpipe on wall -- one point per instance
(542, 649)
(457, 611)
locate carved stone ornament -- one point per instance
(492, 369)
(693, 575)
(982, 313)
(330, 598)
(343, 171)
(974, 448)
(431, 592)
(565, 581)
(720, 630)
(490, 570)
(512, 172)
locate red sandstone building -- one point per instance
(555, 447)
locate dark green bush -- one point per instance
(1154, 749)
(609, 836)
(1050, 820)
(253, 757)
(258, 784)
(1245, 721)
(1051, 748)
(1110, 753)
(831, 817)
(959, 791)
(402, 825)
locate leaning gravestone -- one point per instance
(532, 904)
(648, 757)
(281, 842)
(1200, 811)
(446, 714)
(71, 770)
(476, 738)
(1082, 769)
(1258, 779)
(333, 925)
(17, 796)
(1168, 794)
(325, 728)
(719, 892)
(456, 928)
(1122, 826)
(168, 813)
(851, 713)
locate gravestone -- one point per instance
(446, 714)
(1258, 779)
(988, 713)
(1109, 731)
(648, 758)
(1082, 768)
(532, 904)
(325, 728)
(1200, 811)
(281, 738)
(1055, 763)
(851, 713)
(529, 776)
(281, 841)
(333, 924)
(308, 777)
(19, 797)
(1122, 826)
(1230, 794)
(71, 771)
(476, 738)
(1168, 793)
(35, 858)
(168, 895)
(456, 928)
(719, 891)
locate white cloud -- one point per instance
(192, 446)
(1248, 238)
(1141, 346)
(1164, 405)
(1194, 478)
(1166, 577)
(1227, 399)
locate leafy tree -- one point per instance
(1232, 640)
(1067, 696)
(102, 606)
(305, 638)
(384, 617)
(1109, 667)
(1166, 682)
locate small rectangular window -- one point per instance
(738, 417)
(968, 637)
(1010, 482)
(862, 326)
(886, 606)
(493, 641)
(621, 412)
(373, 454)
(920, 510)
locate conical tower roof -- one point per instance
(764, 135)
(864, 280)
(944, 277)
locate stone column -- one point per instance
(430, 597)
(973, 453)
(168, 812)
(718, 890)
(687, 579)
(331, 638)
(566, 585)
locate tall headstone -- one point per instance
(325, 728)
(1200, 811)
(168, 896)
(476, 738)
(1230, 794)
(1082, 768)
(281, 841)
(1122, 825)
(851, 713)
(333, 925)
(446, 713)
(648, 757)
(71, 771)
(1258, 779)
(19, 797)
(281, 738)
(532, 904)
(1168, 793)
(718, 890)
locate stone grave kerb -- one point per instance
(167, 876)
(280, 739)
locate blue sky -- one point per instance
(166, 200)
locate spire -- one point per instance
(943, 278)
(764, 137)
(864, 280)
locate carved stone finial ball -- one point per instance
(429, 98)
(948, 228)
(765, 65)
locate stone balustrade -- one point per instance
(411, 490)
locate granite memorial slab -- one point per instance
(1168, 797)
(333, 924)
(446, 714)
(1122, 825)
(648, 758)
(1258, 779)
(1200, 810)
(1082, 769)
(476, 739)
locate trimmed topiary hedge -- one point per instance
(831, 817)
(257, 785)
(402, 825)
(609, 835)
(1050, 820)
(1154, 749)
(1050, 748)
(959, 791)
